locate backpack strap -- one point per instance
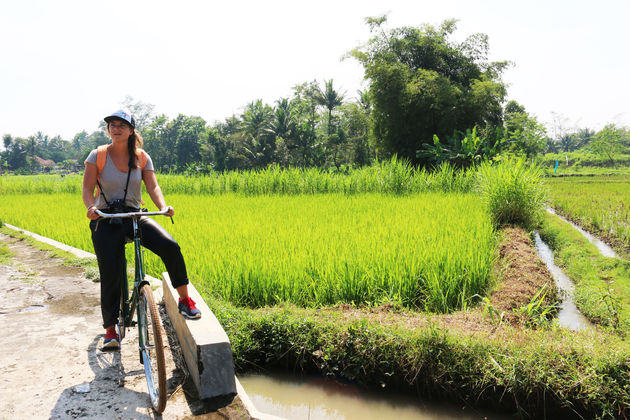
(101, 159)
(142, 158)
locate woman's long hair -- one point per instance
(133, 144)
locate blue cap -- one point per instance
(121, 114)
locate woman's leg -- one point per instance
(156, 239)
(159, 241)
(109, 247)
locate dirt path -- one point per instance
(51, 365)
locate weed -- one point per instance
(538, 313)
(496, 317)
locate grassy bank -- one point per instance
(602, 284)
(534, 373)
(5, 254)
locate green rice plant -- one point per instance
(393, 176)
(427, 251)
(513, 191)
(600, 204)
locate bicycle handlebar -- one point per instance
(131, 214)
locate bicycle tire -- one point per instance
(152, 354)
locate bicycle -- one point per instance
(150, 343)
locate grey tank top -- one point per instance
(113, 182)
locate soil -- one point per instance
(51, 362)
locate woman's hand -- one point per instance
(91, 213)
(170, 211)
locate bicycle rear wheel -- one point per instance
(151, 348)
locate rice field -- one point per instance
(389, 177)
(598, 203)
(429, 251)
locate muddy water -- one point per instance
(568, 316)
(318, 398)
(603, 248)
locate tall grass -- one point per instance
(514, 192)
(427, 251)
(389, 177)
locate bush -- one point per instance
(513, 191)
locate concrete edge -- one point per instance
(204, 344)
(76, 251)
(159, 295)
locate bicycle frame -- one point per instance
(129, 305)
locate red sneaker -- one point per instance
(188, 309)
(112, 341)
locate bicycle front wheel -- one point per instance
(151, 348)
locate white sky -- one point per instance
(66, 64)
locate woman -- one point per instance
(120, 182)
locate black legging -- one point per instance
(109, 245)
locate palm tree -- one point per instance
(284, 121)
(256, 126)
(330, 99)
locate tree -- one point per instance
(330, 99)
(141, 111)
(523, 133)
(14, 154)
(283, 124)
(608, 141)
(583, 137)
(160, 144)
(305, 145)
(526, 136)
(190, 133)
(80, 142)
(358, 126)
(58, 150)
(220, 142)
(422, 84)
(259, 142)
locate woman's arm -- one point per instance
(155, 192)
(89, 183)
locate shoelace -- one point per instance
(189, 302)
